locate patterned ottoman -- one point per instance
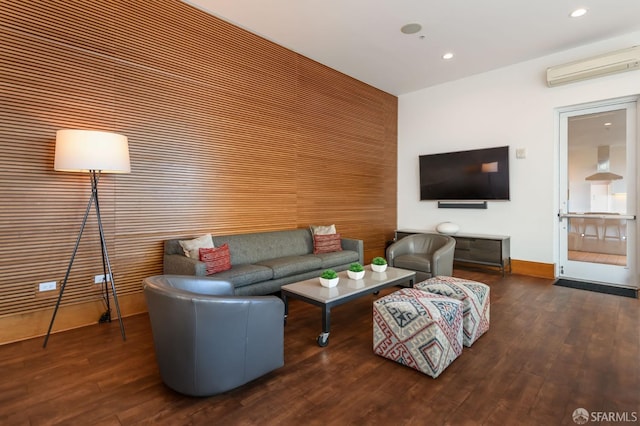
(474, 296)
(418, 329)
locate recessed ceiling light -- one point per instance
(578, 13)
(411, 28)
(607, 124)
(447, 55)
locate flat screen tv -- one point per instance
(476, 175)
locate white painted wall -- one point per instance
(509, 106)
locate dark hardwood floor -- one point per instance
(549, 351)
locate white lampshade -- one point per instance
(86, 150)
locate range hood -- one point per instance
(602, 169)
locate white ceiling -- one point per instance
(362, 38)
(603, 128)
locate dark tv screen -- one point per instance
(479, 174)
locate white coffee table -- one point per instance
(311, 291)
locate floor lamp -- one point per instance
(92, 152)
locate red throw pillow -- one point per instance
(326, 243)
(217, 259)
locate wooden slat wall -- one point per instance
(228, 133)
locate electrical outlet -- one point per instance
(48, 286)
(99, 279)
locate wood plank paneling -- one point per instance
(533, 269)
(228, 133)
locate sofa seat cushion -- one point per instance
(292, 265)
(241, 275)
(414, 262)
(329, 260)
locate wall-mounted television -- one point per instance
(475, 175)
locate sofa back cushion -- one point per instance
(256, 247)
(173, 247)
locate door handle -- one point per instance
(596, 216)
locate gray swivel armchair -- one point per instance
(429, 255)
(207, 340)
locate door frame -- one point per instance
(633, 156)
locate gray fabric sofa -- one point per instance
(263, 262)
(206, 339)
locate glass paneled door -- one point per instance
(598, 193)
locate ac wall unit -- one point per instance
(597, 66)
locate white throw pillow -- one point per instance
(323, 229)
(192, 247)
